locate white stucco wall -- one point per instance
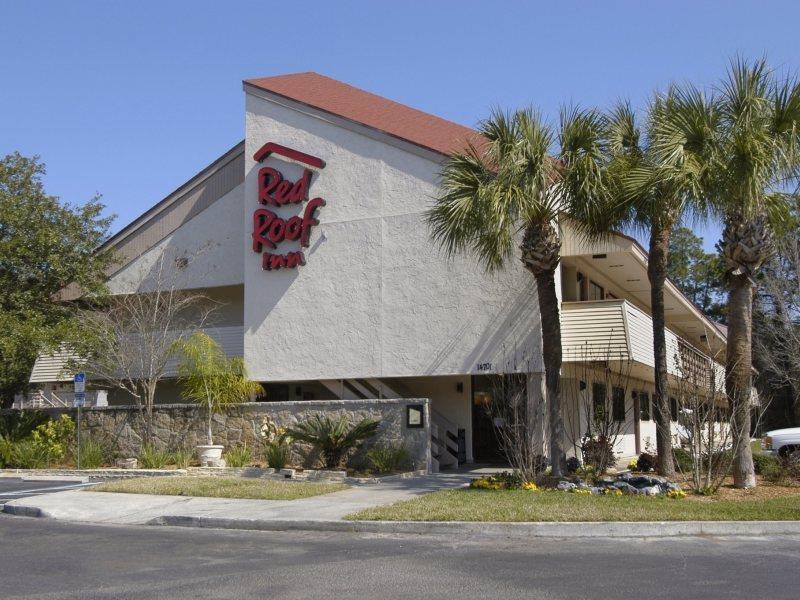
(212, 241)
(376, 298)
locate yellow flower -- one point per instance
(676, 494)
(530, 486)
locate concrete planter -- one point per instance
(210, 456)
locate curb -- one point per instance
(508, 530)
(25, 511)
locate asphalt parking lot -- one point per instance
(12, 488)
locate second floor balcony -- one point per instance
(616, 331)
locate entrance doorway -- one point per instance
(486, 446)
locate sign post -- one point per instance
(79, 382)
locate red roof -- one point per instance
(398, 120)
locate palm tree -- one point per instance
(757, 162)
(658, 178)
(508, 194)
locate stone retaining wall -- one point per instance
(183, 426)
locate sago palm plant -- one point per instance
(506, 196)
(333, 437)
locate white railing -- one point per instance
(62, 399)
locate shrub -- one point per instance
(53, 437)
(764, 462)
(20, 424)
(646, 462)
(6, 451)
(333, 438)
(683, 460)
(598, 452)
(387, 459)
(27, 454)
(277, 454)
(181, 457)
(238, 456)
(782, 471)
(93, 455)
(586, 472)
(573, 464)
(151, 457)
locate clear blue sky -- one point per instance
(130, 99)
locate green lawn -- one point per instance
(220, 487)
(520, 505)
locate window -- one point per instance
(599, 401)
(673, 409)
(644, 406)
(583, 287)
(618, 404)
(596, 292)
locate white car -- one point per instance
(781, 442)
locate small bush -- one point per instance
(277, 454)
(27, 454)
(93, 454)
(784, 470)
(53, 437)
(573, 464)
(333, 438)
(20, 424)
(598, 452)
(646, 462)
(6, 451)
(387, 459)
(238, 456)
(764, 462)
(683, 460)
(181, 457)
(586, 472)
(152, 458)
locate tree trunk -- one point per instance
(657, 275)
(738, 376)
(551, 351)
(210, 439)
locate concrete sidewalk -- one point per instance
(326, 512)
(105, 507)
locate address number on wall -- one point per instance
(487, 366)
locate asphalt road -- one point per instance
(53, 560)
(12, 488)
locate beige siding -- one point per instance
(617, 330)
(594, 330)
(51, 368)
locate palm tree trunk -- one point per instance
(208, 431)
(551, 351)
(657, 275)
(738, 376)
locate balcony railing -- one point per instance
(616, 330)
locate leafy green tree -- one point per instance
(699, 274)
(508, 194)
(757, 161)
(48, 259)
(207, 376)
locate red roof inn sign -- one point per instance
(269, 229)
